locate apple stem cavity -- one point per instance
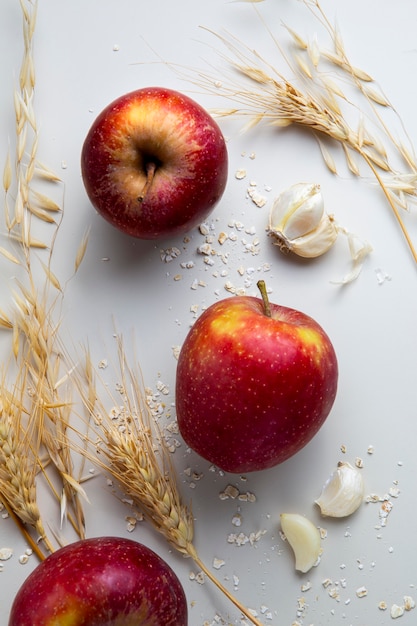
(150, 169)
(267, 306)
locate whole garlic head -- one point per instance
(300, 224)
(343, 492)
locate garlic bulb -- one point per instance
(299, 223)
(304, 539)
(343, 492)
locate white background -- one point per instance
(87, 53)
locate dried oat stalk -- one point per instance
(125, 442)
(309, 99)
(22, 202)
(37, 346)
(37, 361)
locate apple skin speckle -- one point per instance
(172, 131)
(103, 581)
(253, 390)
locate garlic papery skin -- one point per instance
(343, 492)
(304, 539)
(299, 223)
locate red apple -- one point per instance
(154, 163)
(105, 581)
(255, 382)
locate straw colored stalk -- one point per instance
(125, 443)
(258, 91)
(35, 343)
(18, 466)
(21, 201)
(38, 347)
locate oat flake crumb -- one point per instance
(323, 533)
(230, 492)
(169, 254)
(256, 197)
(204, 229)
(394, 492)
(361, 592)
(23, 559)
(247, 497)
(396, 611)
(5, 554)
(409, 603)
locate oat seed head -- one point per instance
(257, 91)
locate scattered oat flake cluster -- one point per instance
(154, 402)
(217, 249)
(386, 503)
(169, 254)
(333, 588)
(242, 539)
(398, 610)
(257, 198)
(199, 577)
(233, 493)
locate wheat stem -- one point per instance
(24, 531)
(193, 554)
(127, 444)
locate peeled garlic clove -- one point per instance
(299, 223)
(343, 492)
(297, 210)
(304, 539)
(317, 242)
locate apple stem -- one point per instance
(267, 306)
(193, 554)
(150, 169)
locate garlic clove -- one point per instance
(298, 221)
(297, 210)
(318, 241)
(304, 539)
(343, 492)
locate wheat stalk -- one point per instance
(315, 103)
(18, 463)
(126, 444)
